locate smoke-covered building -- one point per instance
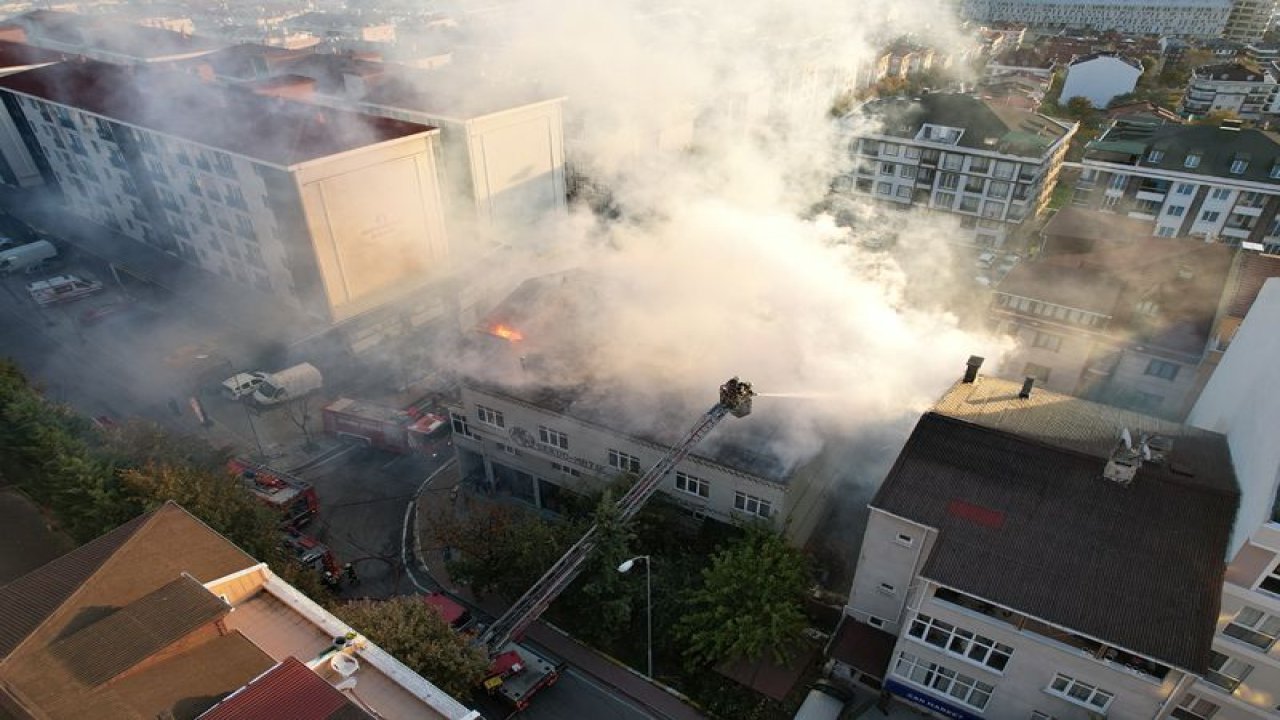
(994, 167)
(335, 213)
(1216, 183)
(537, 423)
(108, 39)
(1032, 555)
(1181, 18)
(17, 166)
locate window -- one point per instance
(992, 209)
(874, 621)
(1162, 369)
(1220, 193)
(1004, 170)
(957, 686)
(1254, 627)
(887, 589)
(904, 191)
(566, 470)
(998, 190)
(1226, 672)
(944, 200)
(907, 171)
(1048, 341)
(912, 152)
(974, 184)
(1194, 708)
(1275, 172)
(1186, 189)
(1146, 402)
(951, 161)
(1166, 231)
(905, 540)
(884, 188)
(489, 416)
(1155, 156)
(1119, 181)
(968, 204)
(1238, 166)
(622, 461)
(1039, 372)
(752, 505)
(887, 168)
(1192, 161)
(547, 436)
(508, 449)
(1080, 693)
(1175, 210)
(961, 643)
(949, 181)
(693, 485)
(1210, 216)
(888, 149)
(1271, 583)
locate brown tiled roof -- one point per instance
(289, 690)
(1254, 270)
(237, 120)
(1074, 222)
(191, 682)
(1081, 288)
(28, 601)
(1137, 566)
(863, 647)
(136, 631)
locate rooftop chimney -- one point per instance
(971, 368)
(1025, 392)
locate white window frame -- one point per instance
(1239, 166)
(1186, 189)
(1232, 669)
(552, 437)
(1193, 707)
(1211, 216)
(752, 505)
(566, 469)
(508, 449)
(625, 462)
(1192, 160)
(460, 425)
(943, 680)
(887, 589)
(692, 485)
(960, 643)
(490, 417)
(905, 540)
(1068, 684)
(1220, 194)
(1272, 577)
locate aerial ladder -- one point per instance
(498, 639)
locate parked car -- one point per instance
(243, 384)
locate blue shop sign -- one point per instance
(923, 699)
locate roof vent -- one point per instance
(1125, 460)
(1027, 384)
(972, 367)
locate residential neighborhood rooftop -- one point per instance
(1027, 521)
(112, 35)
(985, 126)
(1214, 149)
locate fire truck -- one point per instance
(291, 496)
(385, 428)
(516, 671)
(311, 553)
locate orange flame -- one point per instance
(507, 333)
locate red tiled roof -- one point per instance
(289, 691)
(236, 120)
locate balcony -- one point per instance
(1248, 210)
(1237, 233)
(1151, 196)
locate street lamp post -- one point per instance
(648, 604)
(247, 415)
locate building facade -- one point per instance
(1184, 18)
(991, 167)
(1249, 20)
(1218, 183)
(1003, 554)
(334, 213)
(1099, 78)
(1249, 92)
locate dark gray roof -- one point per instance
(1040, 531)
(1235, 72)
(986, 126)
(1131, 143)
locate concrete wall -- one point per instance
(1131, 386)
(517, 164)
(887, 559)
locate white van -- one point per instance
(284, 385)
(36, 255)
(825, 701)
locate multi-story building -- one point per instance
(17, 165)
(1218, 183)
(164, 618)
(1185, 18)
(530, 425)
(992, 167)
(1242, 401)
(1249, 92)
(1039, 556)
(110, 40)
(1122, 320)
(1249, 20)
(335, 213)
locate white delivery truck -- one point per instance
(288, 384)
(38, 254)
(61, 289)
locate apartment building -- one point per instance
(1248, 91)
(332, 212)
(992, 167)
(530, 425)
(110, 40)
(1241, 401)
(1220, 183)
(1249, 20)
(1119, 319)
(164, 618)
(1183, 18)
(1034, 555)
(18, 167)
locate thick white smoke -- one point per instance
(709, 123)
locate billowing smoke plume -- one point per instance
(709, 125)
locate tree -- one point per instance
(1080, 108)
(601, 600)
(416, 635)
(499, 549)
(749, 603)
(299, 410)
(1215, 117)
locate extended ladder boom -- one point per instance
(735, 397)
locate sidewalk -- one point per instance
(436, 497)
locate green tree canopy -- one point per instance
(749, 603)
(415, 633)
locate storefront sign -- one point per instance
(526, 440)
(923, 699)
